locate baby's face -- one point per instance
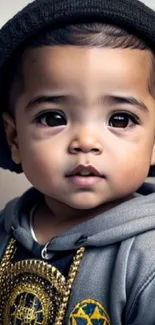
(89, 107)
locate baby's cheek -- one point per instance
(133, 176)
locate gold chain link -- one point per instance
(71, 277)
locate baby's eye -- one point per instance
(122, 120)
(51, 119)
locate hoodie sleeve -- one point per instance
(143, 309)
(141, 281)
(5, 219)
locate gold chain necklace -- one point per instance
(32, 291)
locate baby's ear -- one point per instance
(11, 136)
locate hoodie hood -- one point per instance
(124, 221)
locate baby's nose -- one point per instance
(85, 142)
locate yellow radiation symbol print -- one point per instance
(89, 312)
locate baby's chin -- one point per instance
(87, 205)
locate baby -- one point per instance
(77, 94)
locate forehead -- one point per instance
(72, 68)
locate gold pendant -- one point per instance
(32, 291)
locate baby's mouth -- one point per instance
(84, 170)
(84, 176)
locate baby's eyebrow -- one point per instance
(127, 100)
(56, 99)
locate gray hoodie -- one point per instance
(118, 267)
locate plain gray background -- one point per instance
(12, 185)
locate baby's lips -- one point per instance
(84, 169)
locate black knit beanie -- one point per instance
(40, 14)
